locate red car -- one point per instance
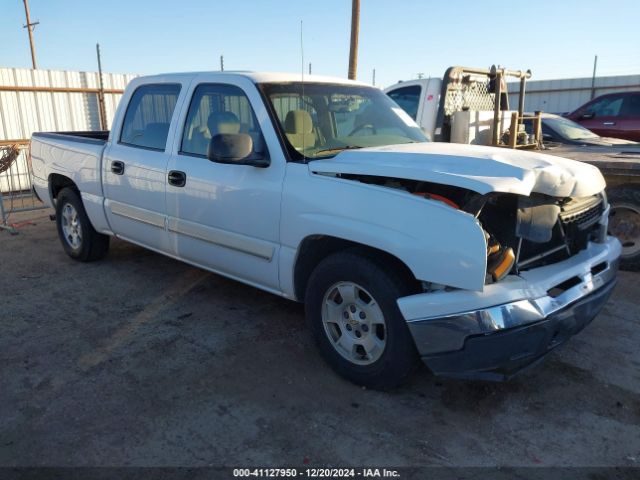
(613, 115)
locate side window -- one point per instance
(146, 122)
(607, 107)
(408, 98)
(217, 109)
(631, 107)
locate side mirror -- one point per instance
(234, 148)
(547, 137)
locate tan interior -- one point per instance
(299, 129)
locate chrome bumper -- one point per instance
(496, 341)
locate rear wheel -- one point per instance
(624, 223)
(352, 312)
(79, 239)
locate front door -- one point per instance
(224, 217)
(602, 116)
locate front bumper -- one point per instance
(496, 342)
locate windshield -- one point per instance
(568, 129)
(319, 120)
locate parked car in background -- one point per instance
(613, 115)
(557, 129)
(618, 160)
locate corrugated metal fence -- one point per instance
(559, 96)
(40, 101)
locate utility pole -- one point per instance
(101, 109)
(30, 27)
(355, 30)
(222, 63)
(593, 78)
(309, 68)
(374, 78)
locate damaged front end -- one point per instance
(530, 232)
(510, 248)
(521, 232)
(550, 270)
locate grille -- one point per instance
(584, 218)
(578, 219)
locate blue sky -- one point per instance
(401, 38)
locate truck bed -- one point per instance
(73, 155)
(610, 161)
(99, 135)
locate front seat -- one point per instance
(223, 122)
(299, 129)
(217, 122)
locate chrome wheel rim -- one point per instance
(71, 229)
(354, 323)
(624, 223)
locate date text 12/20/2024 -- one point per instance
(316, 473)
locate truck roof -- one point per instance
(255, 77)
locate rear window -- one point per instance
(146, 122)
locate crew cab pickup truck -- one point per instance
(478, 260)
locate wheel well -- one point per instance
(58, 182)
(316, 248)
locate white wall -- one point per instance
(565, 95)
(22, 113)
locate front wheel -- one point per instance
(79, 239)
(352, 312)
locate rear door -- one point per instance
(629, 120)
(135, 163)
(226, 217)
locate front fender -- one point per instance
(438, 244)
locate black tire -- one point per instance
(385, 285)
(625, 200)
(89, 245)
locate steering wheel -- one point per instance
(362, 127)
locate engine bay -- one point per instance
(522, 232)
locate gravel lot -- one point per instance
(141, 360)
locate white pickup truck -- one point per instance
(478, 260)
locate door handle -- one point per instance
(608, 124)
(177, 178)
(117, 167)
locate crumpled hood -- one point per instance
(477, 168)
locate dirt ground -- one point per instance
(142, 360)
